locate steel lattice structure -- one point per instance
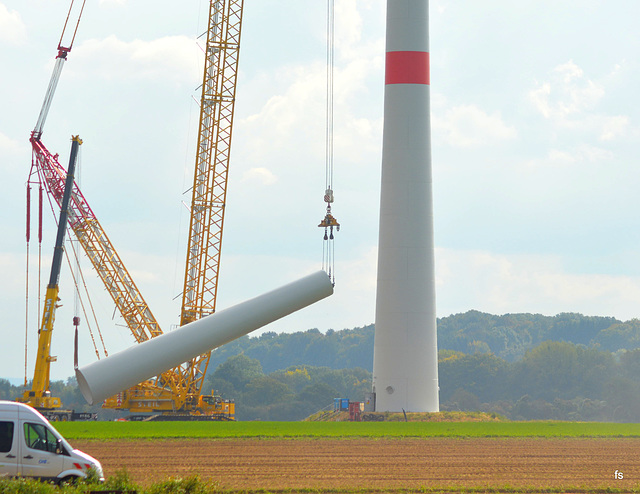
(211, 169)
(212, 160)
(97, 246)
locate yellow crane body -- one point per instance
(39, 396)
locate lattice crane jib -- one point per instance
(98, 248)
(211, 169)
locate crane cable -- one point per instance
(39, 297)
(329, 222)
(75, 30)
(26, 317)
(78, 275)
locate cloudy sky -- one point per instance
(535, 132)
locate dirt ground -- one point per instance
(377, 464)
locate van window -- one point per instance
(38, 436)
(6, 436)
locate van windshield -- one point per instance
(59, 436)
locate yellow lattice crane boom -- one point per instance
(207, 211)
(212, 160)
(209, 190)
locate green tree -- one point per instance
(316, 397)
(265, 390)
(622, 335)
(630, 365)
(463, 400)
(484, 375)
(562, 370)
(7, 391)
(295, 377)
(237, 371)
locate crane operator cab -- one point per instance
(31, 447)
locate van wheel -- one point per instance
(70, 480)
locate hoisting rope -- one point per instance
(40, 202)
(329, 222)
(75, 272)
(75, 30)
(26, 317)
(78, 275)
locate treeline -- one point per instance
(553, 381)
(508, 336)
(522, 366)
(67, 391)
(346, 349)
(286, 394)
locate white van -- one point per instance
(31, 447)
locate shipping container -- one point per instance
(355, 409)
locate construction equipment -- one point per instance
(39, 396)
(175, 394)
(165, 394)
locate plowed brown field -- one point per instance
(377, 464)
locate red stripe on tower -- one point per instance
(407, 67)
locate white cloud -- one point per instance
(11, 153)
(8, 145)
(568, 93)
(287, 114)
(348, 27)
(498, 284)
(261, 176)
(558, 158)
(170, 58)
(572, 103)
(12, 29)
(297, 113)
(468, 126)
(612, 127)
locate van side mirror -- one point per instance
(60, 448)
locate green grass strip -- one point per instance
(161, 430)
